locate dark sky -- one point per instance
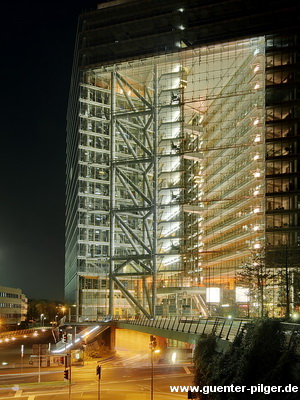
(37, 43)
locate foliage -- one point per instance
(49, 308)
(205, 355)
(259, 355)
(97, 349)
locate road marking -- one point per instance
(31, 397)
(187, 370)
(18, 393)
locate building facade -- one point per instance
(13, 306)
(182, 159)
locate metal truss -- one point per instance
(133, 171)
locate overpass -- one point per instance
(184, 329)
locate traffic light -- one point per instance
(98, 371)
(153, 342)
(66, 374)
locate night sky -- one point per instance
(37, 50)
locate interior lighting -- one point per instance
(174, 356)
(180, 9)
(295, 316)
(257, 86)
(256, 228)
(257, 139)
(256, 157)
(256, 210)
(256, 192)
(257, 246)
(176, 68)
(213, 295)
(256, 174)
(256, 68)
(256, 121)
(242, 294)
(172, 261)
(181, 27)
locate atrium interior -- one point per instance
(171, 179)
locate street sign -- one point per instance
(39, 349)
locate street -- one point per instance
(125, 377)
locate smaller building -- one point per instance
(13, 306)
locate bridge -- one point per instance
(184, 329)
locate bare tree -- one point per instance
(285, 261)
(259, 279)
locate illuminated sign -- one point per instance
(213, 295)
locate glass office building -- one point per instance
(181, 163)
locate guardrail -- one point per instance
(225, 328)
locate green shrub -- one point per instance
(259, 355)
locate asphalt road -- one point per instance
(126, 377)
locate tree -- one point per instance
(285, 260)
(259, 355)
(50, 309)
(258, 279)
(204, 356)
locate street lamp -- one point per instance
(42, 320)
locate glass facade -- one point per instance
(182, 167)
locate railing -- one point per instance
(225, 328)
